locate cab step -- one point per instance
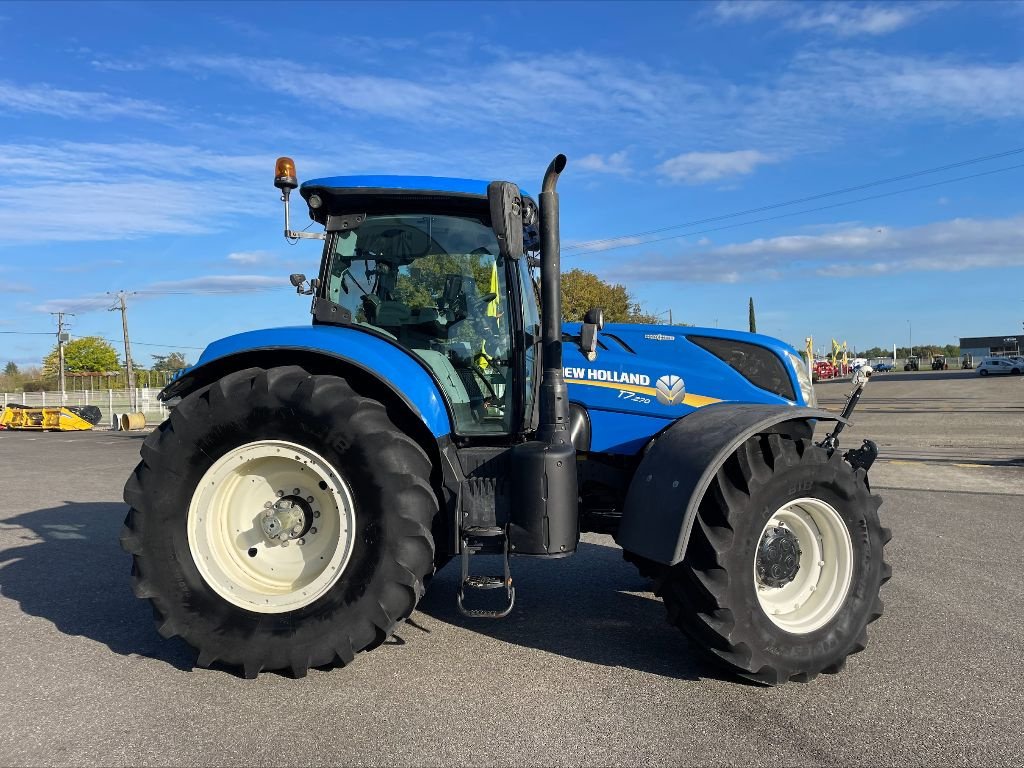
(473, 541)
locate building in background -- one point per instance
(985, 346)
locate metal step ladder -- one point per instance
(474, 540)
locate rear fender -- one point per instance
(680, 463)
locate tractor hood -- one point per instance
(666, 372)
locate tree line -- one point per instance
(93, 359)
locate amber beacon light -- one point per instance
(285, 179)
(284, 174)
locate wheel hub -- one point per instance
(290, 517)
(778, 557)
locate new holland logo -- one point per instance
(670, 390)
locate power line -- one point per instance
(801, 212)
(104, 338)
(796, 201)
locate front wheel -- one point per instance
(785, 561)
(983, 372)
(279, 520)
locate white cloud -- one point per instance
(80, 304)
(79, 105)
(616, 162)
(702, 167)
(78, 161)
(249, 258)
(200, 284)
(747, 10)
(948, 246)
(118, 191)
(840, 19)
(218, 284)
(802, 105)
(91, 211)
(849, 20)
(602, 244)
(9, 287)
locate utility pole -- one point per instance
(62, 338)
(123, 307)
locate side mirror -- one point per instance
(298, 280)
(506, 204)
(593, 322)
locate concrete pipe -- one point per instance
(131, 421)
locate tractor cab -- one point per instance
(418, 261)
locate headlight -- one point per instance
(806, 386)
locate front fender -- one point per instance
(387, 362)
(680, 462)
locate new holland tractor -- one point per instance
(310, 480)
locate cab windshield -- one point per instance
(436, 285)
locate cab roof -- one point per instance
(384, 184)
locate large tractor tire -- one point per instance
(785, 561)
(279, 521)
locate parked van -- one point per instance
(998, 365)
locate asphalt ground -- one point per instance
(586, 671)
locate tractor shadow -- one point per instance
(593, 607)
(71, 571)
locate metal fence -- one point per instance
(109, 401)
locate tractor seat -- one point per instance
(392, 313)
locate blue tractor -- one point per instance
(310, 480)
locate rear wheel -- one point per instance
(983, 372)
(785, 561)
(280, 521)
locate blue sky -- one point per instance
(138, 142)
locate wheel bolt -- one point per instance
(268, 504)
(309, 499)
(280, 494)
(296, 491)
(301, 542)
(316, 513)
(296, 529)
(312, 530)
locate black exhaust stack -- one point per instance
(545, 514)
(554, 403)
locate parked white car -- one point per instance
(999, 365)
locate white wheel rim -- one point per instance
(224, 527)
(822, 582)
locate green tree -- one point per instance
(582, 290)
(11, 369)
(175, 361)
(752, 320)
(90, 353)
